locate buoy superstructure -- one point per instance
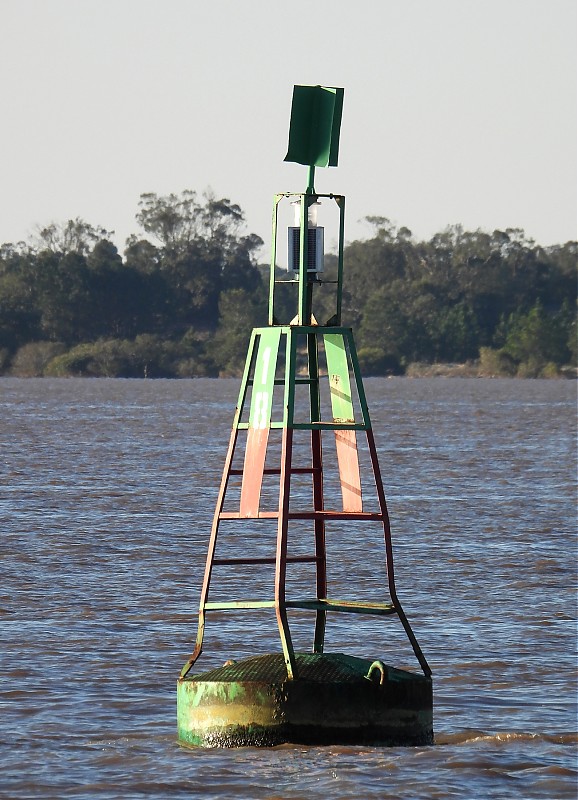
(302, 389)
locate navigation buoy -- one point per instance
(317, 697)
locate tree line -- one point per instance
(183, 297)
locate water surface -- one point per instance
(107, 489)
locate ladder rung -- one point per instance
(355, 515)
(281, 381)
(239, 604)
(312, 426)
(351, 606)
(328, 426)
(260, 515)
(348, 606)
(369, 516)
(277, 471)
(289, 560)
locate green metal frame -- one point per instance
(314, 140)
(315, 125)
(312, 337)
(304, 281)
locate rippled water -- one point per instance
(107, 489)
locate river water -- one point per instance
(107, 489)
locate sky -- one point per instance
(455, 111)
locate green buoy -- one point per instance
(337, 699)
(317, 697)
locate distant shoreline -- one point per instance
(470, 369)
(474, 369)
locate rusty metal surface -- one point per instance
(281, 554)
(254, 464)
(271, 668)
(259, 381)
(296, 697)
(349, 475)
(337, 699)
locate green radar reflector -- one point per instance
(315, 124)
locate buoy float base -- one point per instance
(332, 701)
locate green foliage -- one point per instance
(19, 318)
(183, 301)
(375, 361)
(496, 363)
(4, 359)
(202, 254)
(572, 342)
(538, 337)
(463, 294)
(535, 344)
(239, 312)
(146, 356)
(32, 359)
(74, 236)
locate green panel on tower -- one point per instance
(315, 126)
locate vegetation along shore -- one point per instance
(183, 297)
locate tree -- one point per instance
(538, 338)
(119, 304)
(386, 327)
(239, 312)
(63, 296)
(457, 334)
(174, 221)
(201, 255)
(184, 302)
(19, 313)
(74, 236)
(179, 221)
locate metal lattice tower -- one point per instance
(284, 360)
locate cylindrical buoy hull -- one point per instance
(332, 701)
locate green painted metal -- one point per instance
(305, 283)
(290, 370)
(340, 200)
(245, 379)
(304, 309)
(314, 132)
(338, 369)
(319, 697)
(259, 421)
(345, 606)
(343, 413)
(318, 498)
(267, 344)
(264, 377)
(311, 181)
(272, 320)
(338, 699)
(315, 125)
(358, 379)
